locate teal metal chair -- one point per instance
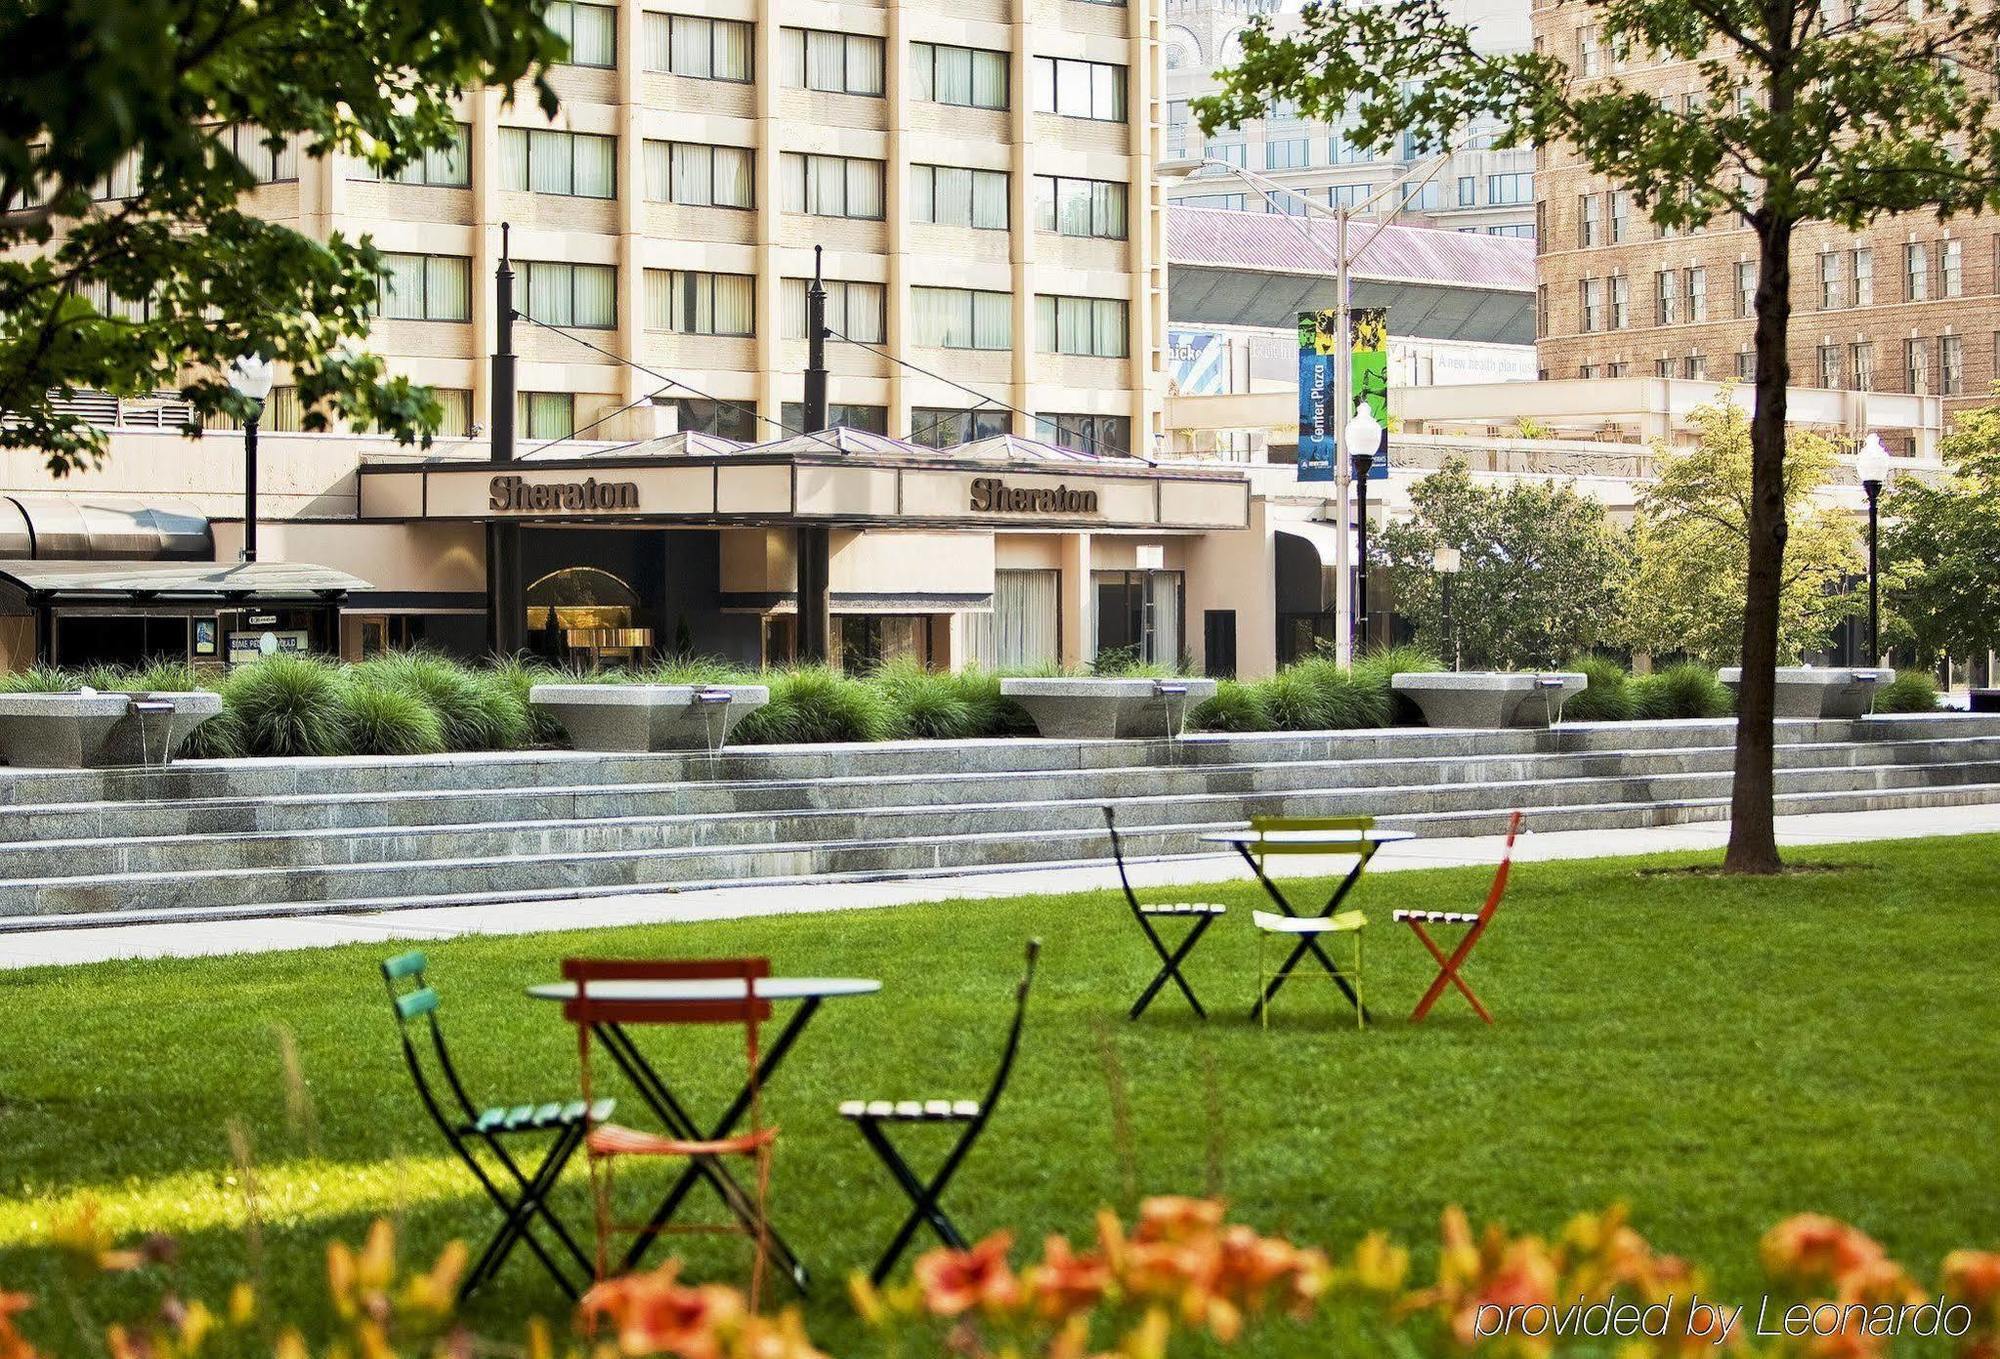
(471, 1129)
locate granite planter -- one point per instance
(645, 717)
(97, 730)
(1809, 692)
(1088, 709)
(1480, 698)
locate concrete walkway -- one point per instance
(197, 939)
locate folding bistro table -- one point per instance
(809, 992)
(1246, 841)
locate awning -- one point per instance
(1323, 541)
(216, 582)
(101, 528)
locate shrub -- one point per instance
(520, 677)
(993, 714)
(1382, 665)
(1317, 695)
(1607, 697)
(1912, 691)
(382, 720)
(1235, 707)
(690, 670)
(287, 705)
(1123, 661)
(813, 704)
(222, 737)
(39, 679)
(476, 709)
(925, 703)
(168, 677)
(1685, 690)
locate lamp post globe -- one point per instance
(251, 376)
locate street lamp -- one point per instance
(1363, 437)
(1446, 561)
(1873, 465)
(251, 377)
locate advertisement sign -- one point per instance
(1197, 362)
(1319, 423)
(1369, 327)
(255, 646)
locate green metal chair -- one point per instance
(1335, 836)
(470, 1128)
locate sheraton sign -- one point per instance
(512, 495)
(991, 495)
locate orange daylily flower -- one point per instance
(1973, 1277)
(1173, 1218)
(657, 1314)
(1066, 1283)
(955, 1281)
(1810, 1249)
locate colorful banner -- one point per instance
(1319, 423)
(1369, 328)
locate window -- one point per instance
(1228, 152)
(1916, 273)
(1695, 367)
(1177, 126)
(425, 288)
(1618, 369)
(1829, 365)
(727, 419)
(1107, 436)
(1342, 149)
(1951, 268)
(1863, 261)
(690, 303)
(1590, 303)
(438, 167)
(962, 318)
(1586, 371)
(1292, 153)
(577, 164)
(707, 49)
(1589, 51)
(251, 145)
(1746, 287)
(1861, 363)
(545, 415)
(1079, 89)
(944, 427)
(1663, 368)
(1951, 365)
(854, 311)
(1621, 213)
(1589, 220)
(1509, 190)
(970, 77)
(1350, 195)
(1080, 207)
(839, 415)
(564, 294)
(699, 176)
(1746, 365)
(1541, 309)
(1829, 280)
(831, 186)
(1697, 293)
(122, 181)
(590, 30)
(1667, 297)
(1090, 326)
(1518, 230)
(1468, 191)
(1621, 301)
(1228, 202)
(838, 63)
(947, 195)
(1917, 366)
(1425, 197)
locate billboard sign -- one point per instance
(1197, 362)
(1369, 327)
(1319, 423)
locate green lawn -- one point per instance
(1716, 1053)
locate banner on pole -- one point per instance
(1319, 423)
(1369, 347)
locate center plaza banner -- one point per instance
(1320, 425)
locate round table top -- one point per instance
(724, 988)
(1374, 835)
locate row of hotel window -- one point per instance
(690, 302)
(1930, 367)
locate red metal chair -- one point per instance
(1448, 964)
(601, 1008)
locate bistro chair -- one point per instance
(470, 1130)
(1342, 837)
(1448, 964)
(1200, 914)
(873, 1117)
(604, 1013)
(1304, 931)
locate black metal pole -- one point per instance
(506, 621)
(813, 542)
(250, 484)
(1874, 489)
(1362, 462)
(1450, 625)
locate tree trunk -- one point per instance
(1753, 841)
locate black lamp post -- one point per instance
(1872, 463)
(251, 378)
(1364, 436)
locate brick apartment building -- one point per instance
(1909, 305)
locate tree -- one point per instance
(1691, 544)
(162, 102)
(1940, 566)
(1811, 110)
(1537, 567)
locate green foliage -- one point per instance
(520, 677)
(1318, 695)
(91, 87)
(1679, 691)
(1539, 565)
(222, 737)
(287, 705)
(1940, 572)
(815, 704)
(385, 720)
(1606, 697)
(1123, 661)
(1380, 666)
(688, 668)
(927, 704)
(1691, 538)
(1912, 691)
(476, 709)
(39, 679)
(1236, 706)
(168, 677)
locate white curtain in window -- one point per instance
(403, 287)
(655, 49)
(1073, 88)
(792, 181)
(735, 304)
(989, 79)
(549, 293)
(658, 301)
(1042, 71)
(989, 200)
(656, 158)
(864, 188)
(694, 168)
(549, 168)
(450, 164)
(864, 312)
(732, 177)
(1108, 328)
(1045, 323)
(731, 50)
(691, 49)
(1111, 220)
(457, 403)
(596, 295)
(954, 75)
(1164, 595)
(826, 61)
(864, 64)
(992, 321)
(923, 71)
(514, 158)
(954, 196)
(932, 311)
(923, 193)
(975, 628)
(1107, 92)
(1024, 619)
(792, 308)
(549, 415)
(596, 160)
(596, 40)
(448, 288)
